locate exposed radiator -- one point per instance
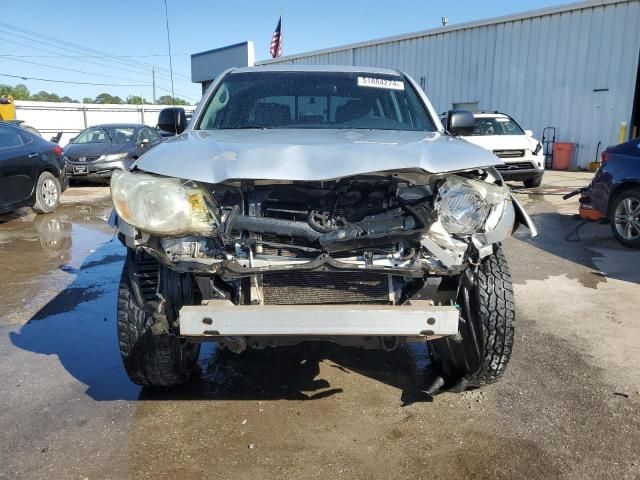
(304, 288)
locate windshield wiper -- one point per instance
(248, 126)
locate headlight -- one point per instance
(113, 156)
(464, 205)
(160, 205)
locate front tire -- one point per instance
(150, 358)
(48, 192)
(624, 216)
(480, 354)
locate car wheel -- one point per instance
(481, 351)
(533, 182)
(47, 193)
(624, 215)
(152, 355)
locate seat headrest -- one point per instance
(353, 110)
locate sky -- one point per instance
(131, 37)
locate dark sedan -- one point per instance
(615, 191)
(99, 150)
(32, 171)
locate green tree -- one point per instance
(136, 100)
(19, 92)
(88, 100)
(107, 98)
(168, 100)
(43, 96)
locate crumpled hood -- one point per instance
(215, 156)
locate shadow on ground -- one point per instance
(291, 373)
(78, 326)
(581, 249)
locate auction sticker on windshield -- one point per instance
(380, 83)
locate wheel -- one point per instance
(151, 354)
(480, 354)
(624, 215)
(533, 182)
(47, 193)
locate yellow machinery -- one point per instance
(7, 109)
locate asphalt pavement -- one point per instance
(568, 406)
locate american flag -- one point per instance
(276, 41)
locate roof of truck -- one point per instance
(318, 68)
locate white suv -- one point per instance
(522, 154)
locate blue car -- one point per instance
(615, 191)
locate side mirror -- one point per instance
(144, 142)
(72, 139)
(460, 122)
(528, 133)
(172, 120)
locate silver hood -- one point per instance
(214, 156)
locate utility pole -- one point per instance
(153, 80)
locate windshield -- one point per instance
(496, 126)
(315, 100)
(106, 135)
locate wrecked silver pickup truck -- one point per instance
(315, 203)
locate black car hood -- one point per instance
(96, 149)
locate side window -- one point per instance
(142, 134)
(26, 137)
(153, 134)
(10, 137)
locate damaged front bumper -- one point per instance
(221, 318)
(186, 254)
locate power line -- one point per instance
(182, 94)
(166, 17)
(64, 68)
(145, 73)
(95, 74)
(97, 56)
(22, 77)
(81, 48)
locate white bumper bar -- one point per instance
(221, 318)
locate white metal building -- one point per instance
(574, 67)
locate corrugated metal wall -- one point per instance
(542, 70)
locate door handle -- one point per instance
(33, 155)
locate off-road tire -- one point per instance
(480, 354)
(533, 182)
(634, 194)
(150, 360)
(40, 205)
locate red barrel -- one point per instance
(562, 155)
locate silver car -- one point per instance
(315, 203)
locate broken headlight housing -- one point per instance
(161, 205)
(464, 204)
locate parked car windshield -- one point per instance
(105, 135)
(315, 100)
(496, 126)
